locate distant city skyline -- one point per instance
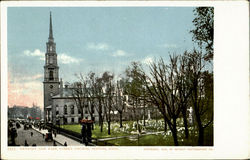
(88, 39)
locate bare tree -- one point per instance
(99, 95)
(79, 94)
(162, 86)
(134, 88)
(184, 90)
(91, 95)
(120, 99)
(109, 97)
(202, 92)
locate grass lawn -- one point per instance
(96, 133)
(116, 131)
(129, 128)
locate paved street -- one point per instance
(37, 138)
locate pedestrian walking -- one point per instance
(17, 125)
(54, 133)
(25, 143)
(13, 134)
(83, 131)
(54, 143)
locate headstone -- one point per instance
(149, 117)
(190, 116)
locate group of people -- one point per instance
(86, 131)
(12, 132)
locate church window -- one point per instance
(50, 59)
(65, 109)
(51, 75)
(72, 109)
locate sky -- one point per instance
(88, 39)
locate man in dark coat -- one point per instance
(13, 134)
(83, 131)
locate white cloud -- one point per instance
(30, 78)
(98, 46)
(148, 60)
(167, 45)
(37, 76)
(119, 53)
(66, 59)
(35, 53)
(62, 57)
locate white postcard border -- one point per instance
(231, 96)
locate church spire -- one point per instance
(50, 29)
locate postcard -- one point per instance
(124, 80)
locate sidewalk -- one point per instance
(60, 138)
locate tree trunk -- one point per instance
(175, 138)
(101, 123)
(201, 136)
(137, 120)
(92, 126)
(109, 127)
(156, 116)
(185, 124)
(120, 119)
(81, 115)
(101, 127)
(200, 127)
(199, 123)
(100, 119)
(174, 132)
(144, 114)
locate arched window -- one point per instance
(72, 109)
(51, 75)
(65, 109)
